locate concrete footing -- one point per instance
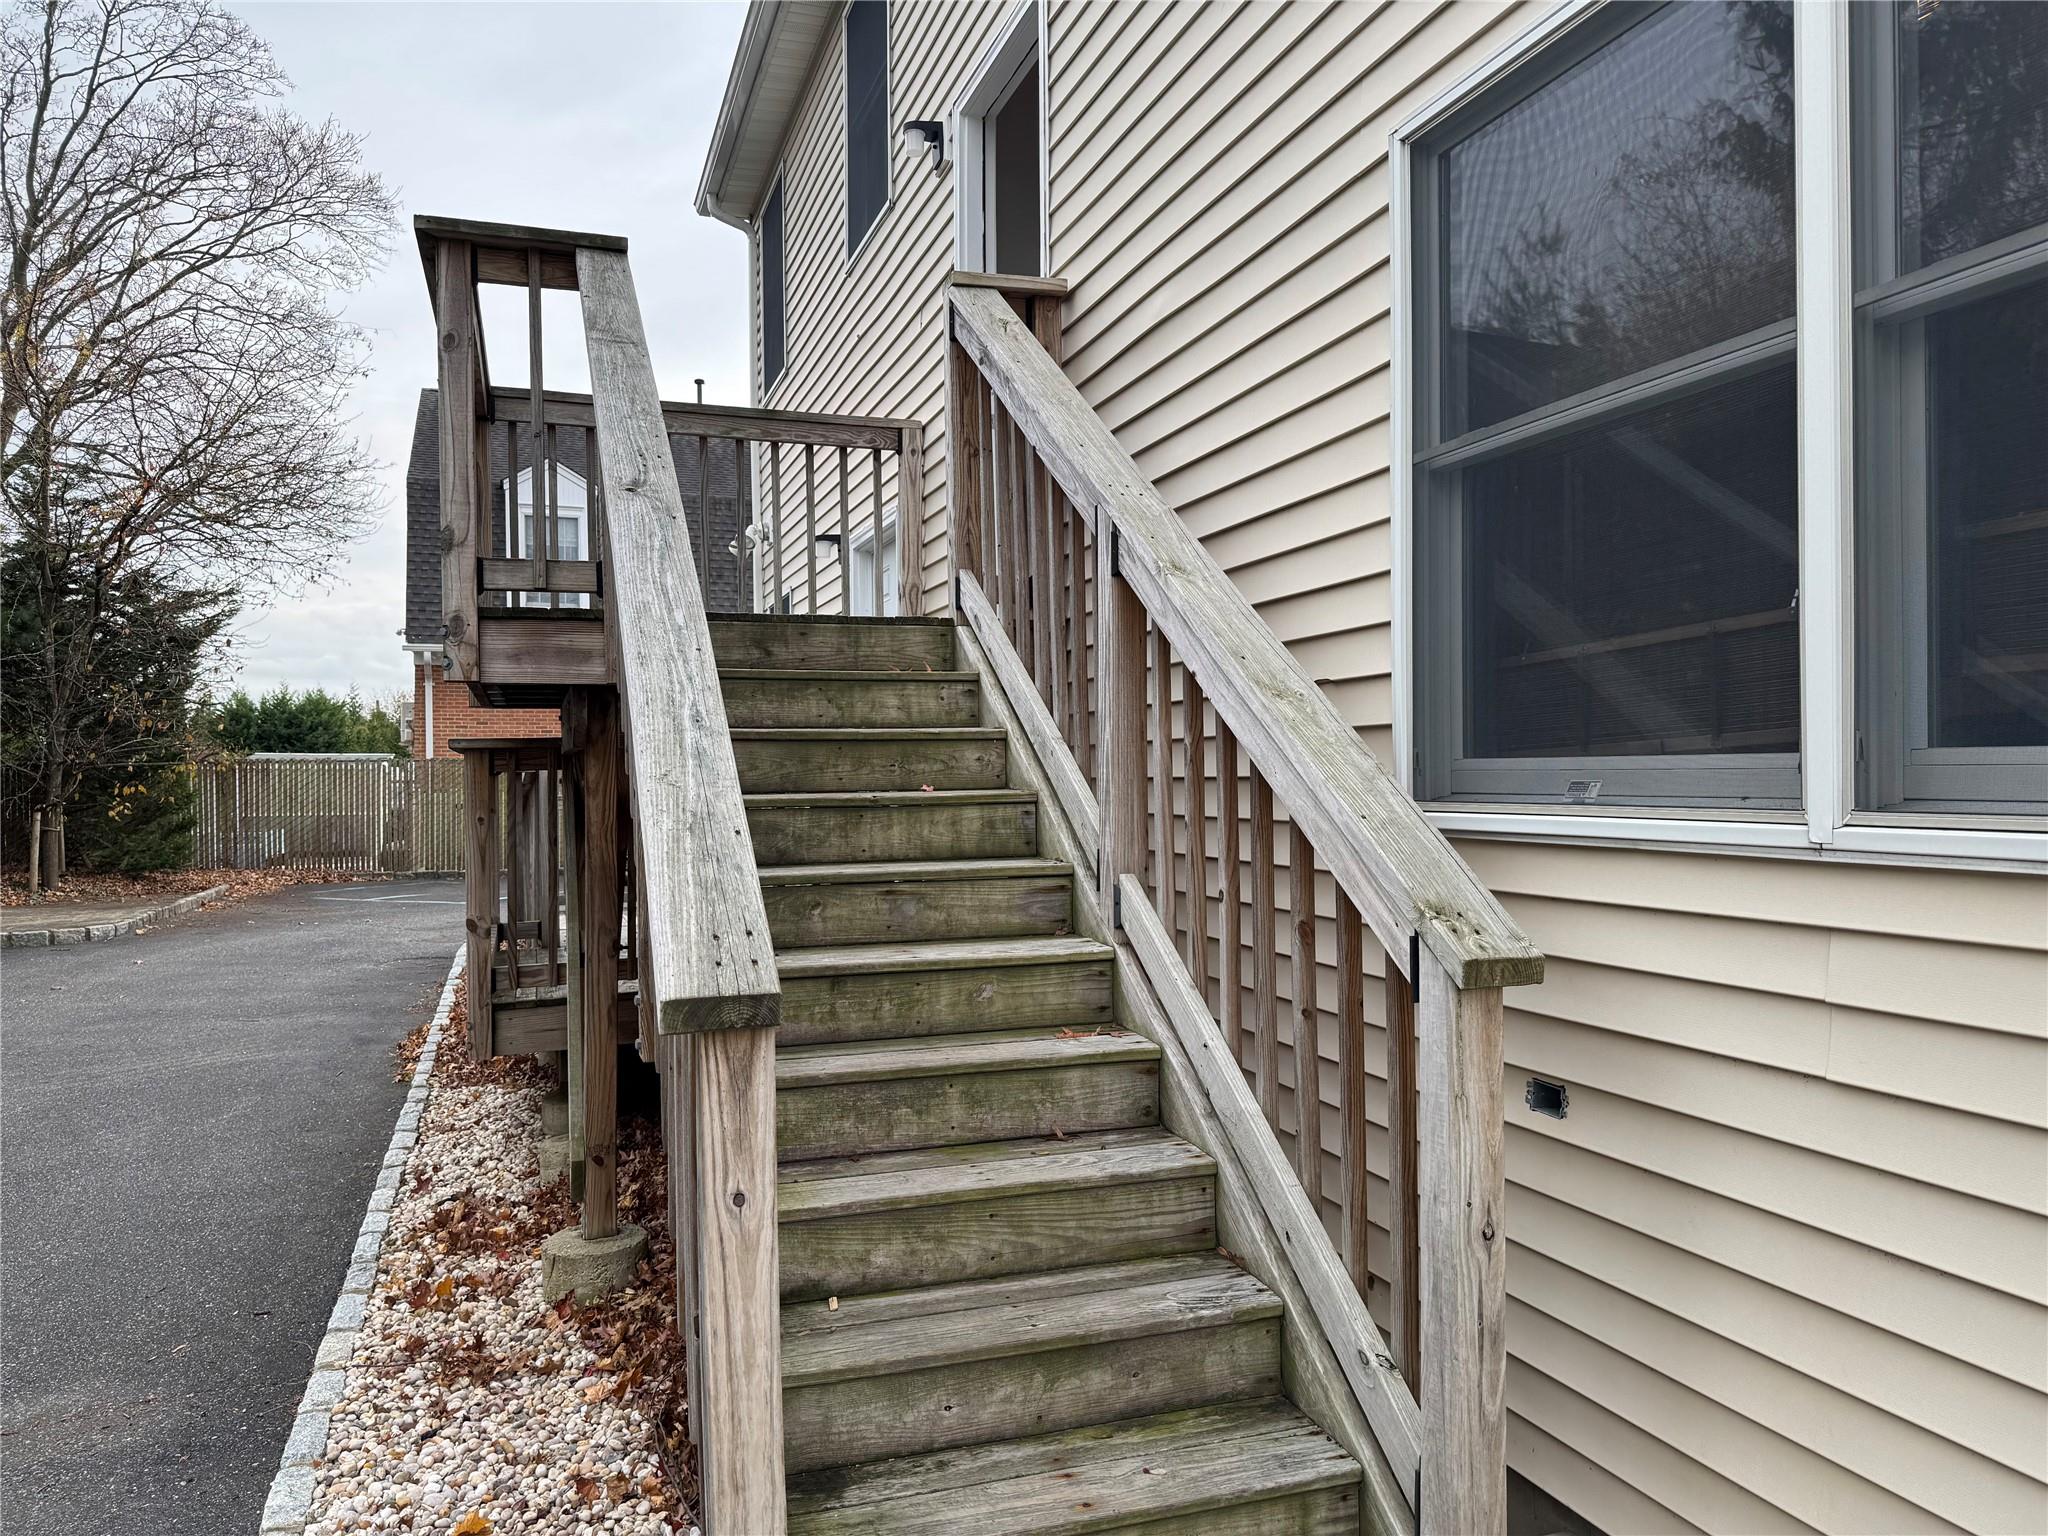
(555, 1157)
(554, 1113)
(592, 1267)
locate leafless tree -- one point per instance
(174, 367)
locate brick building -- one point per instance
(443, 711)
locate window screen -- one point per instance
(867, 117)
(773, 318)
(1607, 483)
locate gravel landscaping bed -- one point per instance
(470, 1407)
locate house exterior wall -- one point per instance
(1784, 1265)
(457, 717)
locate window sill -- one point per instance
(1957, 847)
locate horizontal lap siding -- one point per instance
(867, 338)
(1782, 1267)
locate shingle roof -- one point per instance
(423, 512)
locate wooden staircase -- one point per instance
(1004, 1305)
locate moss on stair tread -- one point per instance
(938, 955)
(857, 798)
(844, 675)
(907, 870)
(1171, 1471)
(996, 1050)
(980, 1319)
(983, 1170)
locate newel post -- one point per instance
(464, 497)
(1464, 1243)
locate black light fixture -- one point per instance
(934, 134)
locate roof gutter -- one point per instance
(748, 58)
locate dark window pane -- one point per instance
(1635, 209)
(1631, 588)
(772, 317)
(1987, 393)
(1973, 124)
(867, 116)
(1014, 166)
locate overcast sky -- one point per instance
(569, 114)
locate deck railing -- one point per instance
(1176, 709)
(653, 789)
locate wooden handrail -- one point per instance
(710, 962)
(1389, 858)
(707, 963)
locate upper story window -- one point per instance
(1606, 476)
(774, 315)
(867, 117)
(1951, 308)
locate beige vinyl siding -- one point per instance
(1784, 1266)
(867, 337)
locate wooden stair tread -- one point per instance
(883, 871)
(939, 955)
(982, 1319)
(1003, 1050)
(825, 1188)
(843, 675)
(1170, 1466)
(841, 799)
(935, 733)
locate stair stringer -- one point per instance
(1311, 1374)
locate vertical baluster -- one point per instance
(554, 543)
(1019, 557)
(1404, 1219)
(704, 522)
(1308, 1068)
(536, 375)
(1042, 525)
(845, 534)
(775, 521)
(1351, 1083)
(1230, 929)
(1162, 776)
(1000, 551)
(743, 524)
(1195, 710)
(810, 529)
(902, 533)
(964, 468)
(1084, 697)
(594, 494)
(1121, 789)
(1265, 1026)
(989, 485)
(514, 537)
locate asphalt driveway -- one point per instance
(190, 1124)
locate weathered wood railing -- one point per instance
(659, 872)
(1134, 641)
(826, 484)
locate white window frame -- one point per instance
(521, 509)
(1020, 37)
(1828, 826)
(860, 580)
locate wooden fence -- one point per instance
(345, 811)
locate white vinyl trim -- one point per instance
(1022, 32)
(1823, 234)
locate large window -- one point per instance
(1653, 558)
(1606, 484)
(867, 117)
(774, 314)
(1952, 337)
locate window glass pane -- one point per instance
(1631, 588)
(1635, 209)
(1987, 409)
(867, 116)
(1973, 124)
(771, 290)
